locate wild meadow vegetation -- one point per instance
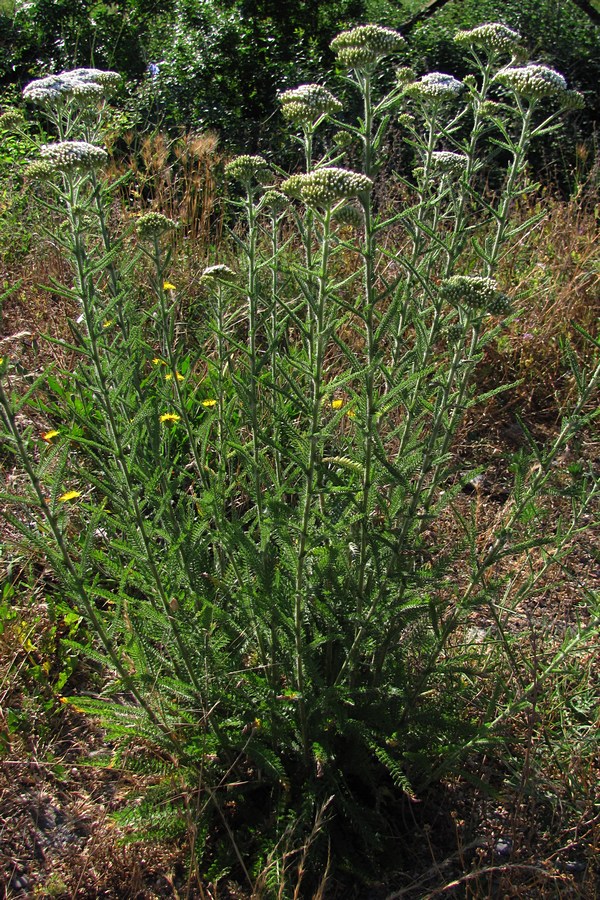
(251, 477)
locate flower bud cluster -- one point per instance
(533, 81)
(12, 118)
(248, 168)
(69, 156)
(39, 170)
(364, 46)
(327, 185)
(87, 85)
(349, 215)
(274, 202)
(307, 103)
(153, 224)
(447, 163)
(435, 86)
(493, 37)
(475, 292)
(572, 100)
(218, 272)
(291, 187)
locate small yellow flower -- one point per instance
(337, 404)
(157, 361)
(209, 402)
(108, 323)
(50, 435)
(170, 417)
(69, 495)
(351, 414)
(169, 376)
(167, 286)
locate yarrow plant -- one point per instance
(246, 511)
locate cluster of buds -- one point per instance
(534, 82)
(12, 118)
(445, 162)
(327, 186)
(364, 46)
(493, 38)
(218, 272)
(248, 168)
(274, 202)
(475, 292)
(71, 156)
(435, 86)
(87, 85)
(306, 104)
(350, 216)
(153, 225)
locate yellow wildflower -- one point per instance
(170, 417)
(167, 286)
(49, 435)
(157, 361)
(169, 376)
(108, 323)
(337, 404)
(69, 495)
(209, 402)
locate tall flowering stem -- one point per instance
(252, 171)
(319, 332)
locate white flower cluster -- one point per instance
(533, 81)
(307, 103)
(447, 163)
(475, 292)
(247, 168)
(435, 86)
(493, 37)
(69, 156)
(364, 46)
(153, 224)
(218, 272)
(327, 185)
(87, 85)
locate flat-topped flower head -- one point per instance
(364, 46)
(218, 272)
(475, 292)
(435, 86)
(247, 169)
(87, 85)
(99, 76)
(70, 156)
(154, 224)
(307, 103)
(493, 38)
(328, 185)
(445, 162)
(534, 82)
